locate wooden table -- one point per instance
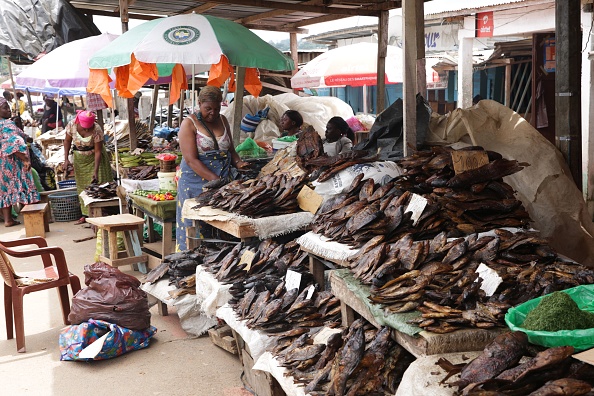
(319, 265)
(95, 208)
(425, 342)
(34, 217)
(167, 246)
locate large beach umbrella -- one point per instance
(354, 65)
(160, 47)
(65, 70)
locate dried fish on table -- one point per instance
(102, 191)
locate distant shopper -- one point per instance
(339, 137)
(19, 104)
(52, 114)
(89, 157)
(291, 122)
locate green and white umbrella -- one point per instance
(190, 39)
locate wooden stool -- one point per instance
(129, 225)
(35, 221)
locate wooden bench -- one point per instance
(129, 225)
(36, 223)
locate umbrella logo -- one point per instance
(181, 35)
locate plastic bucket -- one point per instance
(167, 181)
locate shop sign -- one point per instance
(484, 24)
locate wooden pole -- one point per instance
(411, 24)
(130, 102)
(382, 52)
(154, 107)
(568, 128)
(238, 107)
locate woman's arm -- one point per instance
(98, 150)
(187, 143)
(67, 145)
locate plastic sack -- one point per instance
(380, 172)
(249, 148)
(355, 124)
(112, 296)
(288, 139)
(113, 340)
(579, 339)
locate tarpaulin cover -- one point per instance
(546, 189)
(29, 28)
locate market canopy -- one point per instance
(354, 65)
(65, 70)
(162, 46)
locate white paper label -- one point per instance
(247, 257)
(416, 206)
(322, 336)
(491, 280)
(310, 292)
(292, 280)
(93, 349)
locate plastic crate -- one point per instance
(65, 206)
(67, 183)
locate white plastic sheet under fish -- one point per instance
(256, 341)
(268, 363)
(210, 291)
(324, 247)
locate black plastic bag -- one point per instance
(111, 296)
(386, 132)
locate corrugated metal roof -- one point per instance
(274, 15)
(470, 6)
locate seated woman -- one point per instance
(52, 114)
(339, 137)
(291, 122)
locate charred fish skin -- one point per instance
(503, 352)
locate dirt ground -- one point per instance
(174, 363)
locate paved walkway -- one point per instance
(174, 364)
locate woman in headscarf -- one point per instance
(16, 182)
(339, 137)
(89, 157)
(208, 153)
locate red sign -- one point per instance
(484, 24)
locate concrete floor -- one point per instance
(174, 363)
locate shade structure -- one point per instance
(64, 70)
(354, 65)
(160, 47)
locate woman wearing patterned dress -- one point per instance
(16, 183)
(207, 149)
(89, 157)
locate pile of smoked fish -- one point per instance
(472, 201)
(360, 360)
(439, 277)
(181, 267)
(260, 295)
(506, 367)
(102, 191)
(265, 196)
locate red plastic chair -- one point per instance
(16, 284)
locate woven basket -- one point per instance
(65, 206)
(167, 166)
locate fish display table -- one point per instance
(242, 227)
(353, 296)
(96, 205)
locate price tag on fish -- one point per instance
(246, 258)
(491, 280)
(416, 205)
(309, 200)
(464, 160)
(310, 292)
(292, 280)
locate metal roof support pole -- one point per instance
(588, 106)
(568, 133)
